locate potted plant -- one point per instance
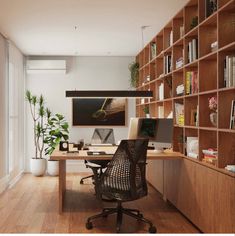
(39, 115)
(134, 69)
(146, 112)
(57, 130)
(181, 143)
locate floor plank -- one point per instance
(31, 206)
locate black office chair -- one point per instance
(100, 136)
(123, 180)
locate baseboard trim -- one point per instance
(4, 183)
(16, 179)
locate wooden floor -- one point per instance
(31, 207)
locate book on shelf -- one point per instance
(191, 82)
(153, 50)
(232, 115)
(171, 38)
(192, 50)
(192, 147)
(229, 71)
(211, 7)
(179, 114)
(181, 31)
(161, 91)
(160, 111)
(167, 64)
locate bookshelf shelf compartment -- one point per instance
(226, 149)
(204, 110)
(190, 109)
(206, 143)
(226, 25)
(208, 35)
(202, 27)
(225, 97)
(208, 74)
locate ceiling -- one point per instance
(84, 27)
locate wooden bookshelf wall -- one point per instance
(209, 66)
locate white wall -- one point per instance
(3, 112)
(84, 73)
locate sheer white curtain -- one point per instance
(3, 113)
(16, 112)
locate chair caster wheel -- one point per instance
(152, 230)
(81, 182)
(89, 225)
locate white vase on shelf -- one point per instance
(213, 118)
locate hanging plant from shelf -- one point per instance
(134, 77)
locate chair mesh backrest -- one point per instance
(124, 178)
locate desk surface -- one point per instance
(82, 155)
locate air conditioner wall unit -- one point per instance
(46, 67)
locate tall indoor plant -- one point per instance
(40, 115)
(57, 130)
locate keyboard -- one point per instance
(97, 153)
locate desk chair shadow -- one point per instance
(100, 136)
(123, 180)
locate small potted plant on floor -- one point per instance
(57, 130)
(39, 115)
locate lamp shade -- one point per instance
(108, 93)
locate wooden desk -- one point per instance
(62, 157)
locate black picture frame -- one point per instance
(99, 112)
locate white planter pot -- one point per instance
(38, 166)
(147, 115)
(53, 168)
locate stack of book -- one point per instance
(191, 82)
(153, 50)
(179, 62)
(180, 90)
(193, 50)
(229, 71)
(167, 64)
(210, 155)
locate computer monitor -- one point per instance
(158, 131)
(103, 136)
